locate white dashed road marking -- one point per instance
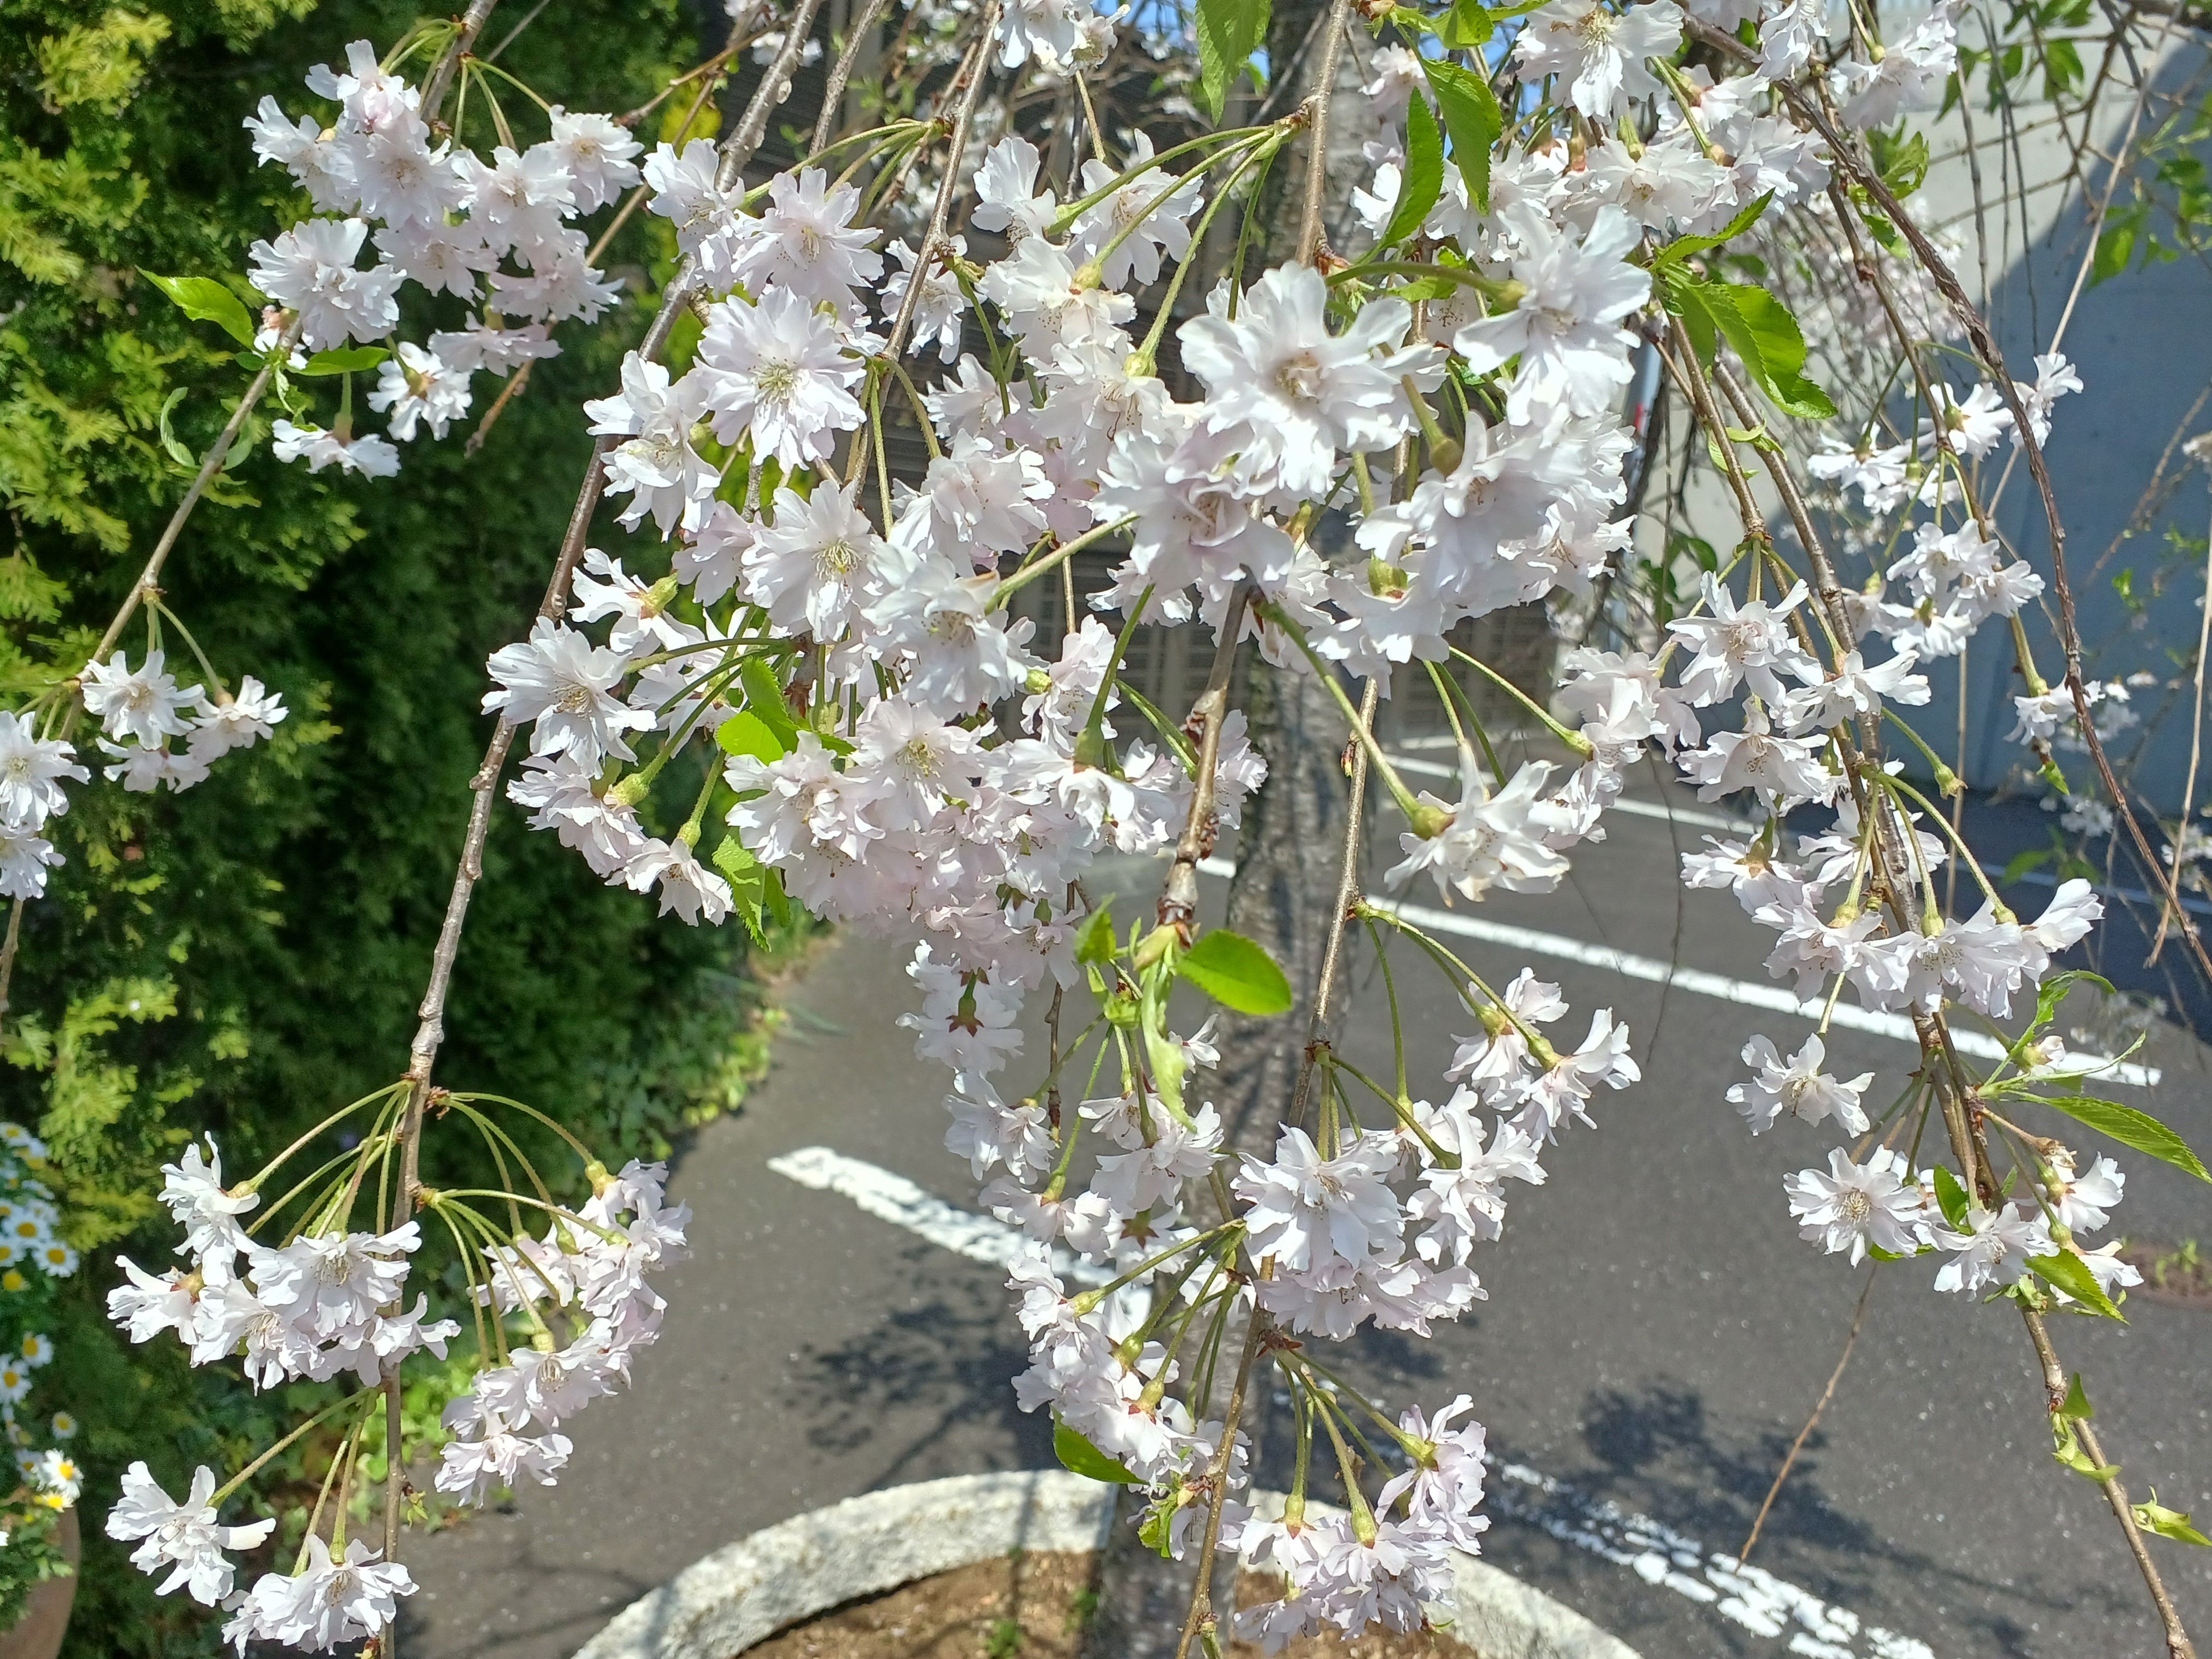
(1748, 1596)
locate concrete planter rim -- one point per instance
(782, 1575)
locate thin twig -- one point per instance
(833, 93)
(1347, 893)
(442, 73)
(1178, 906)
(1340, 13)
(1821, 1405)
(1202, 1601)
(430, 1030)
(2178, 1645)
(210, 464)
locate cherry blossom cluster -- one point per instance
(495, 234)
(332, 1301)
(143, 715)
(590, 1270)
(326, 1303)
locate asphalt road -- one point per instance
(1654, 1337)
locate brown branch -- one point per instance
(441, 74)
(1178, 906)
(1201, 1600)
(1347, 895)
(1339, 14)
(2178, 1645)
(833, 93)
(1821, 1405)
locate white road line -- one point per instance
(1756, 1600)
(1698, 982)
(1655, 1552)
(894, 1198)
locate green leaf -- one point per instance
(1952, 1196)
(1236, 973)
(2071, 1274)
(1683, 246)
(2066, 1447)
(748, 880)
(177, 452)
(1466, 28)
(1094, 940)
(2130, 1128)
(1903, 165)
(1078, 1454)
(345, 361)
(746, 733)
(2116, 243)
(2028, 858)
(764, 698)
(2077, 1404)
(1756, 326)
(1156, 1530)
(1423, 179)
(2155, 1516)
(1229, 32)
(205, 300)
(1471, 117)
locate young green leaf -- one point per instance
(764, 697)
(2071, 1274)
(349, 360)
(1952, 1196)
(1466, 28)
(1683, 246)
(1236, 973)
(206, 300)
(2066, 1447)
(1423, 179)
(1078, 1454)
(2155, 1516)
(748, 880)
(1471, 117)
(2130, 1128)
(177, 452)
(746, 733)
(2076, 1405)
(1094, 940)
(1229, 32)
(1757, 327)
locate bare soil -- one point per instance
(1031, 1606)
(2176, 1275)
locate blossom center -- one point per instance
(1298, 377)
(1855, 1205)
(1597, 25)
(778, 379)
(918, 758)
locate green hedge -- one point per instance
(245, 957)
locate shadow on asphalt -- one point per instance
(953, 1349)
(1655, 1453)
